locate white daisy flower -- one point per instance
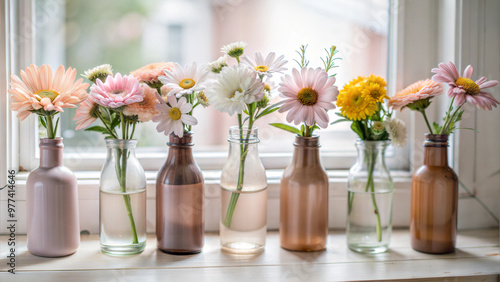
(234, 88)
(234, 49)
(266, 66)
(202, 99)
(100, 72)
(217, 65)
(173, 117)
(397, 131)
(184, 80)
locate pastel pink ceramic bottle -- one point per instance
(53, 225)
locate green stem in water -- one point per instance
(370, 183)
(241, 174)
(426, 121)
(50, 127)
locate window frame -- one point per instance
(446, 38)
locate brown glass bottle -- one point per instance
(434, 200)
(304, 199)
(180, 220)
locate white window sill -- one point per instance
(477, 259)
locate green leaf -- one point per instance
(266, 112)
(302, 130)
(115, 122)
(57, 124)
(357, 127)
(287, 128)
(436, 128)
(97, 128)
(339, 120)
(42, 121)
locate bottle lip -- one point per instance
(372, 142)
(51, 143)
(243, 135)
(436, 140)
(309, 142)
(185, 141)
(121, 143)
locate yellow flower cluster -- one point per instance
(358, 100)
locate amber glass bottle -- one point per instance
(304, 199)
(434, 200)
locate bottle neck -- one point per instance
(121, 146)
(306, 152)
(180, 148)
(371, 153)
(436, 150)
(51, 152)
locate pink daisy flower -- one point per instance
(308, 96)
(420, 90)
(117, 91)
(40, 88)
(463, 88)
(172, 117)
(86, 114)
(266, 66)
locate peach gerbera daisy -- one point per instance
(308, 96)
(39, 89)
(144, 110)
(149, 73)
(86, 114)
(420, 90)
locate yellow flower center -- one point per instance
(175, 113)
(237, 90)
(186, 83)
(267, 88)
(307, 96)
(469, 85)
(261, 68)
(51, 94)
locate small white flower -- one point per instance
(173, 118)
(266, 66)
(234, 49)
(378, 126)
(217, 65)
(184, 80)
(100, 72)
(234, 88)
(202, 99)
(397, 131)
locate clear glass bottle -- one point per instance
(180, 221)
(244, 195)
(122, 200)
(53, 227)
(369, 200)
(304, 199)
(434, 200)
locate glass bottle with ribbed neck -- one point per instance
(122, 200)
(243, 194)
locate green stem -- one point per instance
(448, 121)
(308, 131)
(241, 173)
(133, 130)
(426, 121)
(107, 127)
(50, 127)
(370, 183)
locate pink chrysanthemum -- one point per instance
(417, 91)
(40, 88)
(463, 88)
(150, 73)
(308, 96)
(86, 114)
(145, 109)
(117, 91)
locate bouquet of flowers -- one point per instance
(418, 96)
(241, 89)
(361, 102)
(120, 102)
(45, 93)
